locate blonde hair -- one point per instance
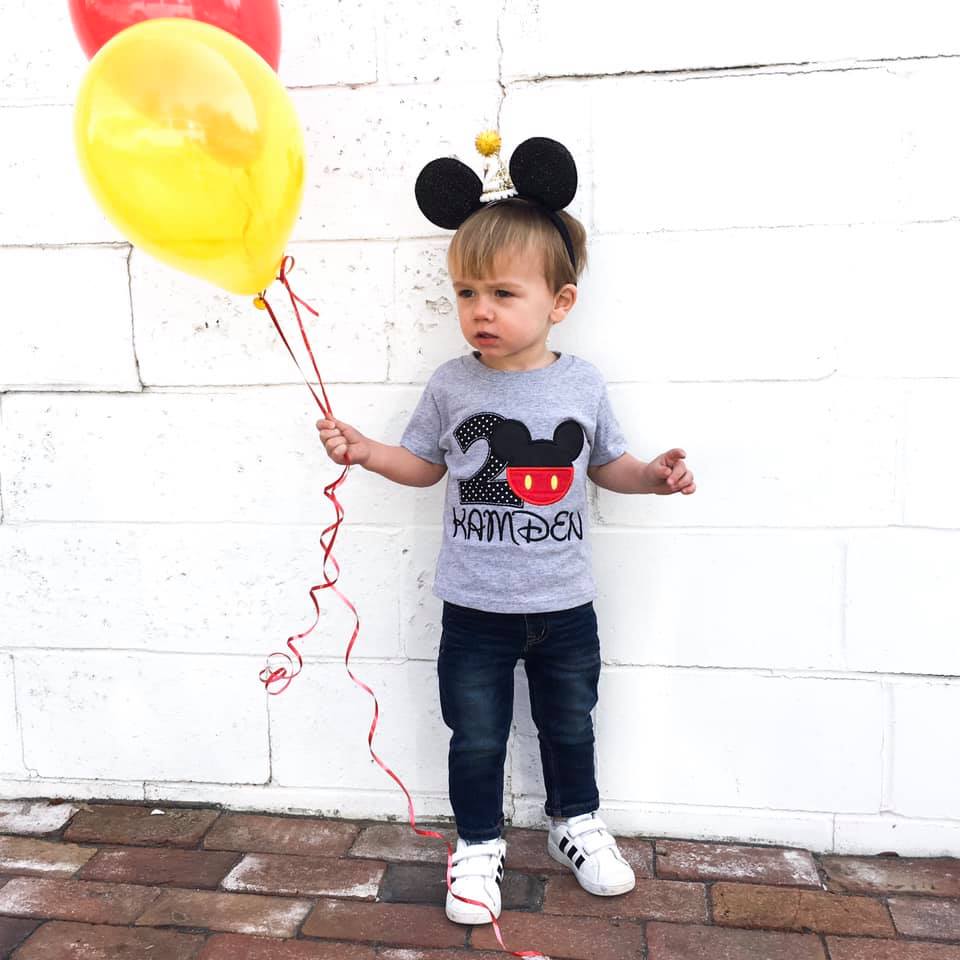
(517, 225)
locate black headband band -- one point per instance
(551, 215)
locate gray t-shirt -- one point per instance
(517, 446)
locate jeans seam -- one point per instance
(530, 640)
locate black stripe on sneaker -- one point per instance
(563, 844)
(572, 852)
(579, 861)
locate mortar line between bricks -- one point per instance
(676, 73)
(733, 71)
(316, 660)
(439, 240)
(308, 527)
(393, 293)
(844, 597)
(1, 471)
(608, 528)
(833, 377)
(900, 938)
(122, 244)
(884, 901)
(896, 939)
(345, 85)
(267, 700)
(30, 774)
(133, 325)
(770, 673)
(887, 755)
(809, 225)
(900, 452)
(500, 54)
(442, 820)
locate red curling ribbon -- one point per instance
(277, 678)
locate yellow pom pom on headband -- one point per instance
(488, 143)
(542, 172)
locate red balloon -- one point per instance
(255, 22)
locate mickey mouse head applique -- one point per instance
(540, 472)
(542, 172)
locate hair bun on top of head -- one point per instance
(541, 171)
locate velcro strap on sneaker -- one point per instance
(594, 843)
(474, 861)
(592, 835)
(471, 868)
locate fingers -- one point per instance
(333, 439)
(683, 484)
(667, 462)
(678, 479)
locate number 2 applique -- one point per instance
(539, 472)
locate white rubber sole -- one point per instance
(597, 889)
(467, 913)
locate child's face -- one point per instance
(508, 315)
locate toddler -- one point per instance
(517, 428)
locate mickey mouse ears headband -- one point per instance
(542, 172)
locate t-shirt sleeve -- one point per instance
(608, 440)
(422, 434)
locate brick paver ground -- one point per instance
(103, 881)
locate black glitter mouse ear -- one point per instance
(447, 192)
(544, 169)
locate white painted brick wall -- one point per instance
(926, 720)
(178, 588)
(679, 599)
(10, 758)
(772, 200)
(770, 454)
(308, 727)
(770, 736)
(137, 716)
(52, 323)
(190, 333)
(698, 34)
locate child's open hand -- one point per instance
(342, 441)
(668, 473)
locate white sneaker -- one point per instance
(586, 846)
(476, 875)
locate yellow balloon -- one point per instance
(193, 148)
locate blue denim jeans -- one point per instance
(478, 653)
